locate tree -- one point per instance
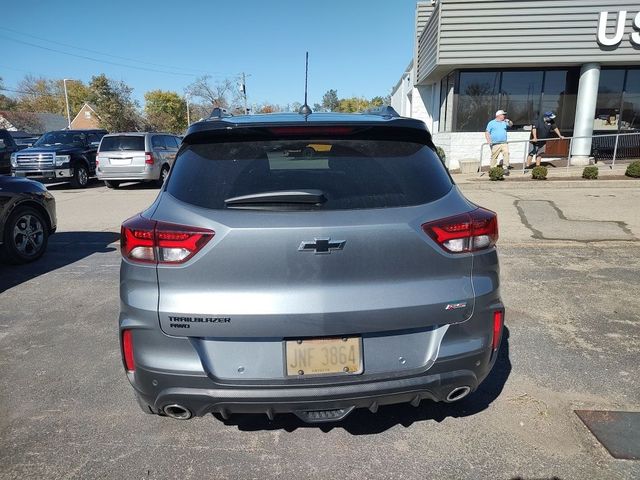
(114, 106)
(353, 104)
(6, 103)
(330, 101)
(165, 111)
(221, 94)
(38, 94)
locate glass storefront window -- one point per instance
(609, 100)
(520, 96)
(560, 87)
(631, 102)
(476, 101)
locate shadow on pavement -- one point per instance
(363, 422)
(64, 248)
(54, 186)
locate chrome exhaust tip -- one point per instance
(177, 411)
(458, 393)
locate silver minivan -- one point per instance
(138, 156)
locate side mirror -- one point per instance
(95, 144)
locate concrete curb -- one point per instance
(543, 184)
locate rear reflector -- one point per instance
(148, 158)
(468, 232)
(127, 351)
(149, 241)
(498, 319)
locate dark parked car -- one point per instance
(63, 155)
(27, 218)
(7, 147)
(263, 283)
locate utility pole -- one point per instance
(243, 88)
(186, 98)
(66, 99)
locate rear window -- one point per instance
(352, 174)
(122, 142)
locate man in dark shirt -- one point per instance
(542, 129)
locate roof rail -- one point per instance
(220, 113)
(383, 111)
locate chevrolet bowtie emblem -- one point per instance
(322, 245)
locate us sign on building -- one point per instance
(616, 39)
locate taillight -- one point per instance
(127, 351)
(468, 232)
(150, 241)
(498, 320)
(148, 158)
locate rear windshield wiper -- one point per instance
(309, 197)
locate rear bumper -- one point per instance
(201, 396)
(302, 400)
(144, 174)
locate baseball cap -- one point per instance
(549, 115)
(501, 112)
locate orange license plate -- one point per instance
(324, 356)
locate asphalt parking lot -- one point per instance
(570, 281)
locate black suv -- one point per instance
(7, 147)
(62, 155)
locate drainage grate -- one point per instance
(618, 432)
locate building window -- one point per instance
(609, 102)
(524, 94)
(631, 102)
(520, 93)
(560, 95)
(476, 101)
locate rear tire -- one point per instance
(112, 183)
(80, 176)
(25, 236)
(308, 152)
(164, 173)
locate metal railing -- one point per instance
(616, 142)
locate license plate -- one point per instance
(324, 356)
(120, 161)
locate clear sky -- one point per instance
(359, 47)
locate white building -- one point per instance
(579, 59)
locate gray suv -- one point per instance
(138, 156)
(265, 281)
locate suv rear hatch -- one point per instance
(306, 246)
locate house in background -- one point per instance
(32, 123)
(86, 118)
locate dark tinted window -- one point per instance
(94, 137)
(61, 138)
(122, 142)
(351, 173)
(157, 141)
(170, 141)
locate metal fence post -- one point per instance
(615, 151)
(570, 150)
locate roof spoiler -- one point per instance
(383, 111)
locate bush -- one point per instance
(539, 173)
(590, 173)
(633, 170)
(441, 154)
(496, 173)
